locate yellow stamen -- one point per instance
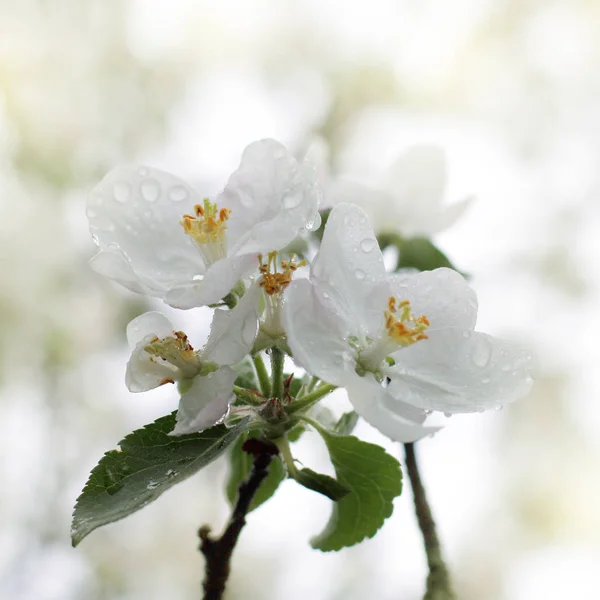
(404, 328)
(273, 281)
(207, 229)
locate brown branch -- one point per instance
(218, 551)
(439, 584)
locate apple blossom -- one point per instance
(162, 355)
(157, 236)
(402, 345)
(408, 198)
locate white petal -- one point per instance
(446, 217)
(272, 198)
(396, 420)
(206, 402)
(137, 212)
(457, 371)
(232, 332)
(114, 265)
(218, 281)
(150, 323)
(315, 334)
(144, 374)
(442, 295)
(348, 269)
(417, 179)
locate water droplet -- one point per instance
(368, 244)
(359, 274)
(499, 408)
(482, 352)
(178, 193)
(152, 485)
(292, 201)
(171, 473)
(314, 224)
(466, 334)
(143, 171)
(485, 380)
(447, 415)
(505, 368)
(122, 191)
(326, 295)
(150, 190)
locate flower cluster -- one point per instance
(401, 344)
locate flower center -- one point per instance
(208, 230)
(274, 282)
(401, 329)
(176, 351)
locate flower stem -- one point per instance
(218, 551)
(263, 375)
(247, 397)
(277, 359)
(309, 399)
(286, 454)
(439, 585)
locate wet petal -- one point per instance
(456, 371)
(233, 331)
(442, 295)
(135, 213)
(218, 281)
(150, 323)
(396, 420)
(349, 272)
(315, 334)
(143, 373)
(272, 198)
(206, 402)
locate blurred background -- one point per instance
(510, 89)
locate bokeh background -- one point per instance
(510, 89)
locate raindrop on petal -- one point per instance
(359, 274)
(122, 191)
(178, 193)
(368, 245)
(150, 190)
(482, 352)
(292, 201)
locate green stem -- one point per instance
(263, 375)
(277, 359)
(309, 399)
(247, 397)
(286, 453)
(439, 584)
(231, 300)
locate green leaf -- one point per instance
(240, 463)
(147, 464)
(246, 375)
(421, 254)
(346, 423)
(294, 434)
(323, 484)
(374, 479)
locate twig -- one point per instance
(439, 585)
(218, 551)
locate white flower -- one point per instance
(400, 345)
(150, 245)
(409, 198)
(161, 355)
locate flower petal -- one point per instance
(348, 269)
(113, 264)
(218, 281)
(233, 331)
(448, 216)
(396, 420)
(206, 402)
(456, 371)
(315, 334)
(150, 323)
(271, 197)
(417, 179)
(145, 374)
(442, 295)
(136, 211)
